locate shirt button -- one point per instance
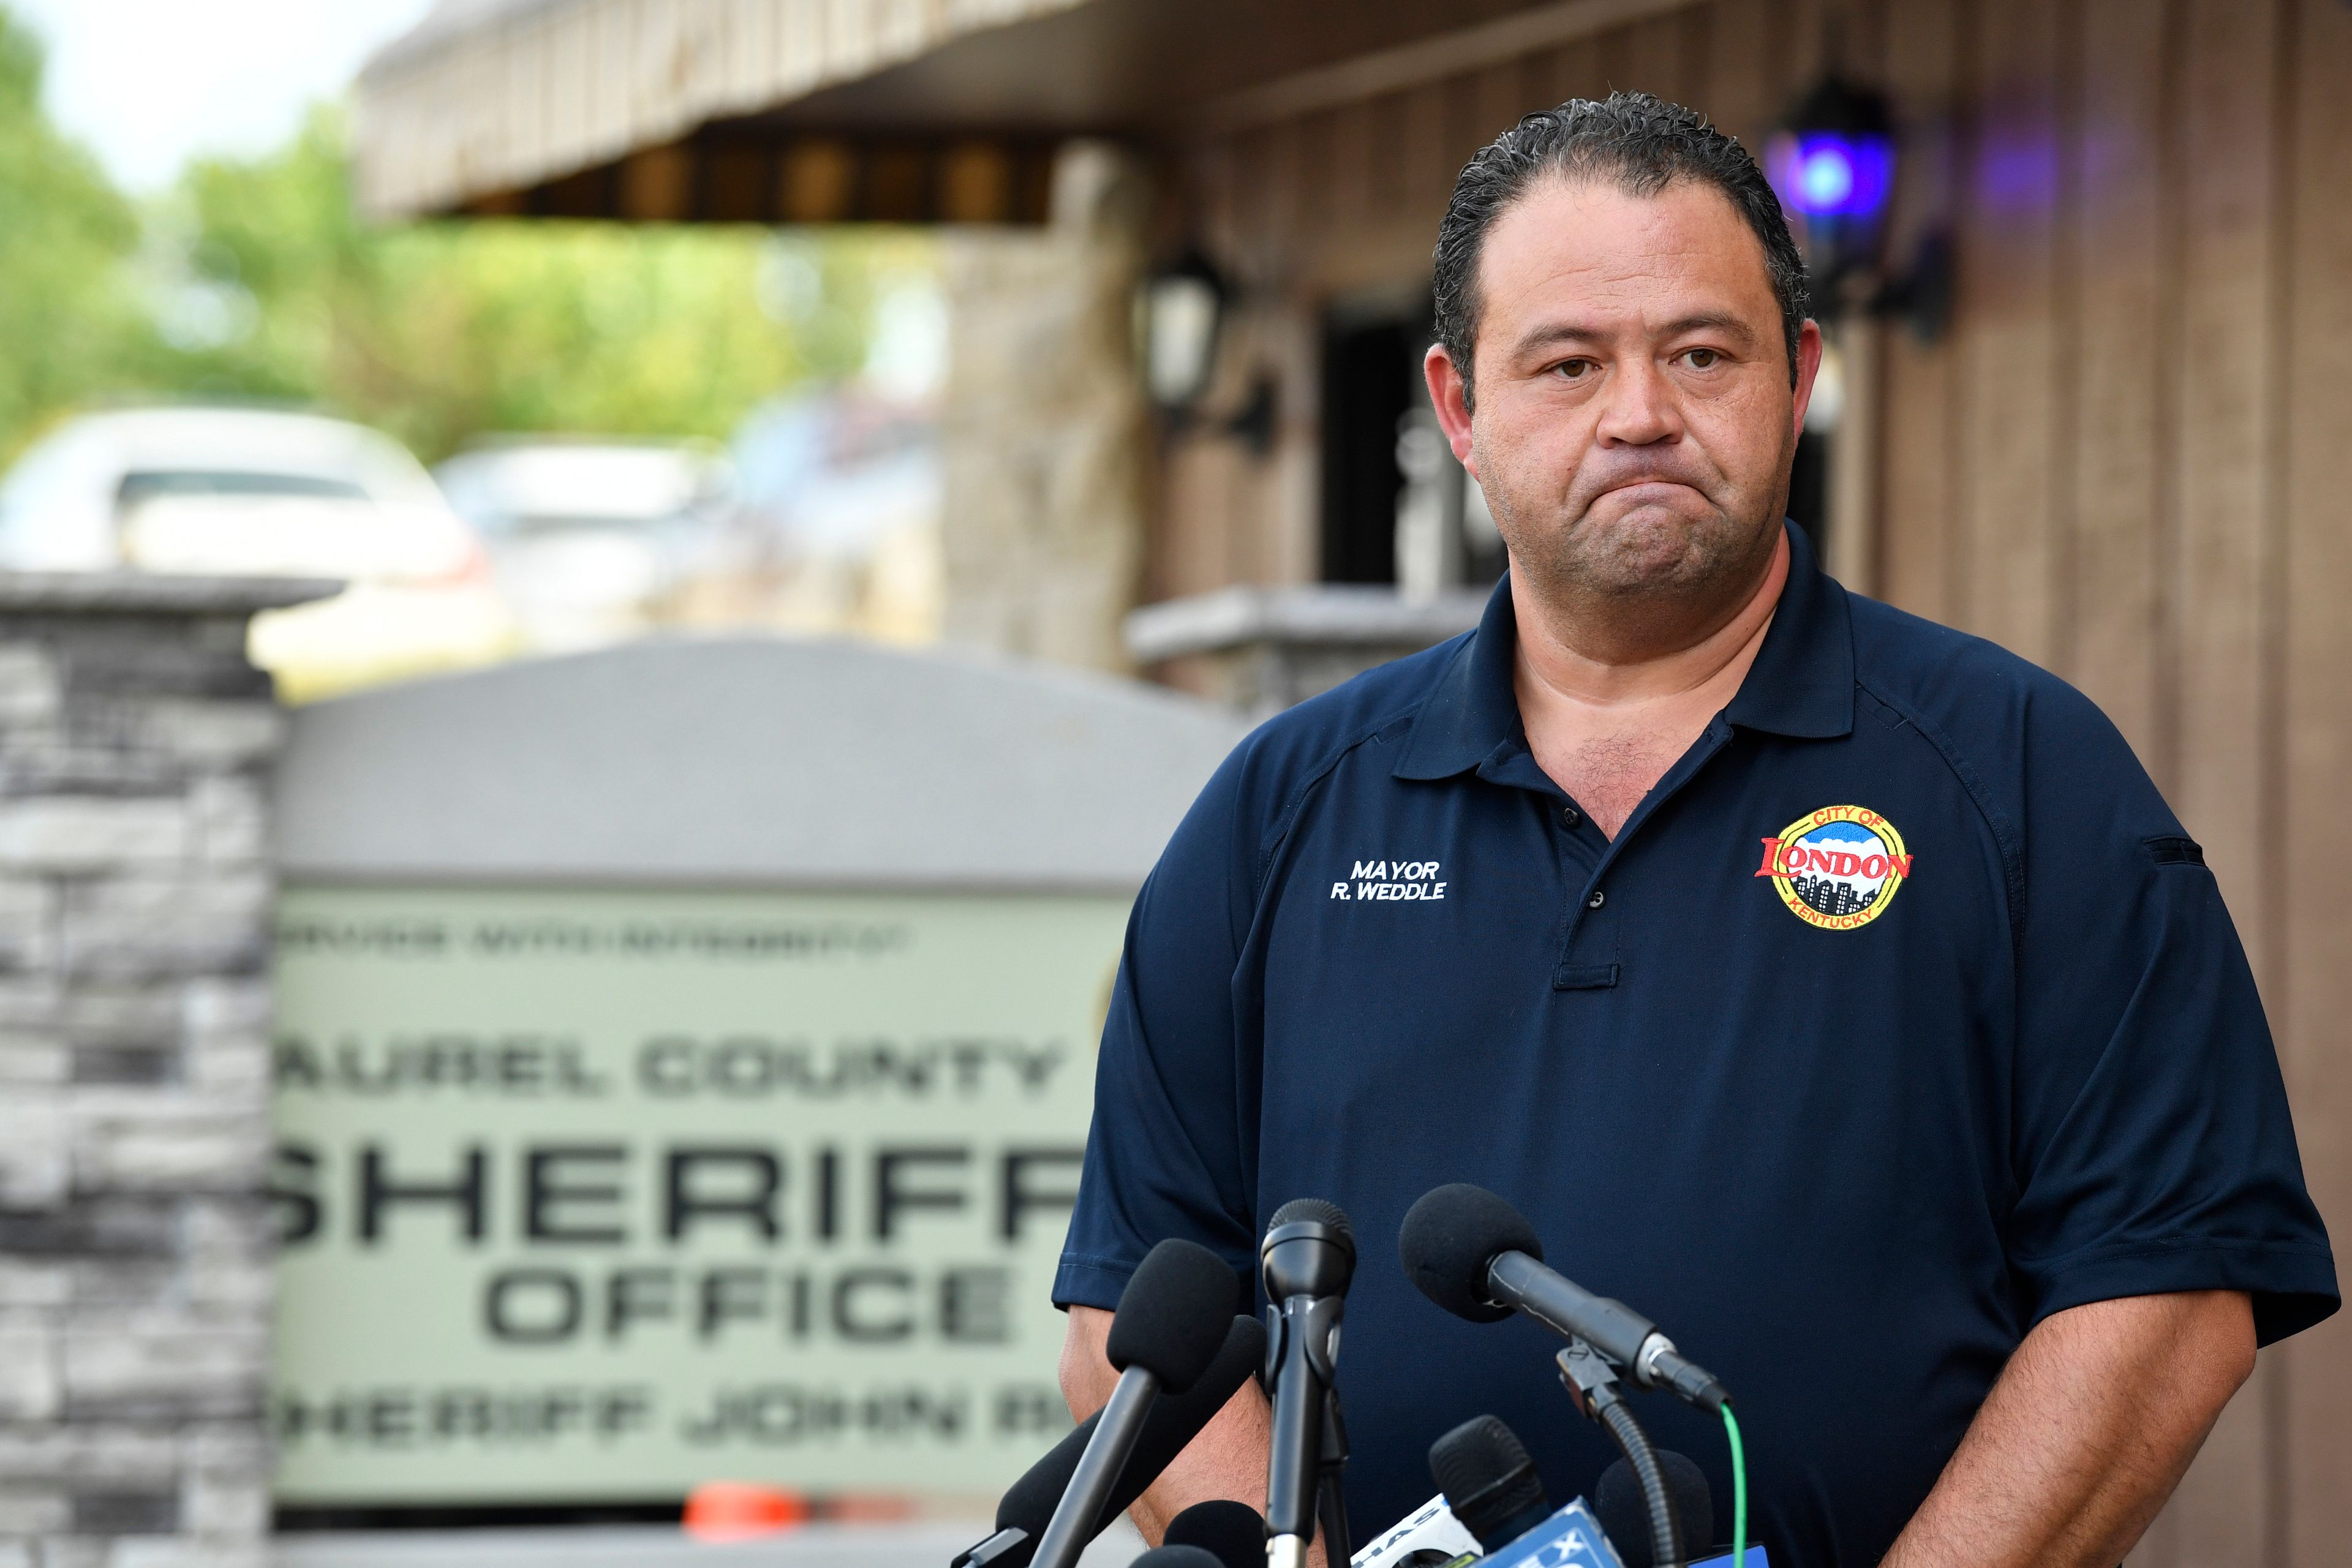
(1568, 816)
(1597, 900)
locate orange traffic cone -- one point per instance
(741, 1510)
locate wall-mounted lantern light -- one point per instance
(1833, 167)
(1181, 307)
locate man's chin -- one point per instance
(1648, 545)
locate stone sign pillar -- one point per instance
(135, 889)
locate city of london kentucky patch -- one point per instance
(1837, 868)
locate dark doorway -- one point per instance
(1809, 489)
(1369, 367)
(1398, 509)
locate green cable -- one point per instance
(1739, 1491)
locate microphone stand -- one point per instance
(1330, 1493)
(1592, 1383)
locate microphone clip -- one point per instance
(1592, 1383)
(1316, 1326)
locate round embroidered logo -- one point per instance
(1837, 868)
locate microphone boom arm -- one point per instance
(1592, 1385)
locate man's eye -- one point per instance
(1572, 369)
(1704, 359)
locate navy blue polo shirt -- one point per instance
(1900, 1014)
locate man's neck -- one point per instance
(1606, 725)
(1564, 657)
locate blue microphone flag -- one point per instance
(1570, 1537)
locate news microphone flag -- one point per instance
(1432, 1526)
(1571, 1538)
(1555, 1544)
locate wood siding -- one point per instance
(2130, 459)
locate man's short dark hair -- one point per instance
(1638, 143)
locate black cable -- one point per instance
(1665, 1538)
(1330, 1490)
(1592, 1383)
(1332, 1510)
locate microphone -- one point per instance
(1175, 1420)
(1625, 1512)
(1489, 1481)
(1175, 1556)
(1232, 1533)
(1305, 1261)
(1476, 1257)
(1170, 1323)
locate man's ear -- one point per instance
(1809, 365)
(1448, 393)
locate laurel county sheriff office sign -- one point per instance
(683, 1062)
(606, 1194)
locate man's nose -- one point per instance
(1641, 409)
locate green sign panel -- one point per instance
(601, 1195)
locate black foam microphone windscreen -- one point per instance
(1232, 1533)
(1314, 1211)
(1173, 1314)
(1449, 1239)
(1490, 1484)
(1177, 1557)
(1625, 1518)
(1028, 1504)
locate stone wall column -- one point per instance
(1043, 424)
(135, 894)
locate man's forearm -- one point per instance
(1226, 1460)
(2086, 1433)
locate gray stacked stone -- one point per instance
(135, 1283)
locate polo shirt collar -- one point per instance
(1800, 685)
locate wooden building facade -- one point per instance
(2127, 455)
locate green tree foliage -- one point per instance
(72, 322)
(440, 331)
(256, 279)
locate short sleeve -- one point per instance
(1165, 1156)
(2155, 1152)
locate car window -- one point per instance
(156, 483)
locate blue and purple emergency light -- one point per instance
(1832, 163)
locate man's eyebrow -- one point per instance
(1711, 321)
(1552, 332)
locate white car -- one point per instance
(256, 492)
(586, 534)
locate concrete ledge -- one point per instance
(1262, 649)
(155, 593)
(1326, 613)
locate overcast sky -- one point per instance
(148, 84)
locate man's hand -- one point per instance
(1226, 1460)
(2091, 1427)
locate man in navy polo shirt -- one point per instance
(1833, 988)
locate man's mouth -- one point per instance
(1638, 491)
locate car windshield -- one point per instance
(156, 484)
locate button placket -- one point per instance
(1588, 956)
